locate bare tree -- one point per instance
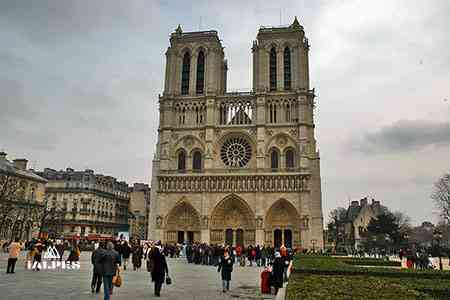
(17, 211)
(441, 196)
(403, 221)
(11, 191)
(50, 216)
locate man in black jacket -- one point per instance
(96, 282)
(110, 262)
(125, 251)
(160, 269)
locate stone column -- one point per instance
(280, 71)
(176, 77)
(260, 237)
(211, 66)
(294, 68)
(205, 236)
(193, 75)
(264, 74)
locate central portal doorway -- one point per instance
(190, 237)
(180, 237)
(229, 237)
(240, 237)
(288, 238)
(277, 238)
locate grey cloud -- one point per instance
(404, 135)
(52, 20)
(79, 82)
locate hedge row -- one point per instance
(318, 277)
(340, 287)
(360, 266)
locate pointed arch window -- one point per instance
(197, 161)
(200, 73)
(290, 159)
(287, 68)
(185, 74)
(274, 158)
(181, 161)
(273, 69)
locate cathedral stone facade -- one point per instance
(238, 168)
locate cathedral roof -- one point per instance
(295, 26)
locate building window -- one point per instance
(200, 72)
(197, 161)
(273, 69)
(273, 112)
(274, 157)
(289, 155)
(185, 74)
(287, 68)
(236, 152)
(181, 161)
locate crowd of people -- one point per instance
(225, 257)
(110, 257)
(35, 250)
(416, 259)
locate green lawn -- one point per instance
(321, 277)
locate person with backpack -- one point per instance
(96, 281)
(109, 260)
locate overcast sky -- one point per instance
(79, 85)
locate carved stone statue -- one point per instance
(159, 221)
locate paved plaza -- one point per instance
(189, 281)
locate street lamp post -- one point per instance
(438, 237)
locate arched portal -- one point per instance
(233, 222)
(282, 225)
(182, 224)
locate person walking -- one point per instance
(126, 251)
(60, 248)
(225, 267)
(110, 262)
(14, 251)
(159, 269)
(277, 272)
(96, 281)
(137, 253)
(37, 254)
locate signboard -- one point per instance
(123, 236)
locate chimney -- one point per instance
(3, 155)
(20, 163)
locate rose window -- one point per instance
(236, 152)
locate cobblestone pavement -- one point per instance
(189, 281)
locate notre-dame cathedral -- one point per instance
(237, 168)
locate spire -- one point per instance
(179, 30)
(296, 24)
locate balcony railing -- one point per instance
(240, 171)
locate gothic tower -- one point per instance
(237, 168)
